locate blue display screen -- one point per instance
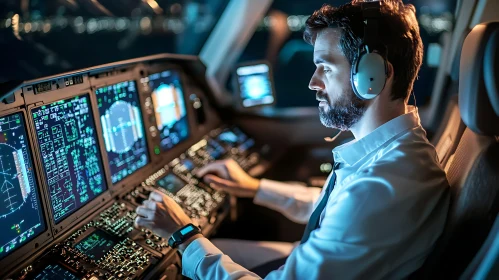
(255, 85)
(21, 216)
(186, 230)
(169, 107)
(70, 153)
(122, 128)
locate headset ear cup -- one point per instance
(369, 76)
(353, 76)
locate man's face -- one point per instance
(339, 107)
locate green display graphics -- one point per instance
(70, 154)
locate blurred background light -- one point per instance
(46, 36)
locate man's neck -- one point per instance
(377, 114)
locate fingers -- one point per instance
(156, 196)
(217, 167)
(150, 204)
(142, 222)
(145, 212)
(219, 183)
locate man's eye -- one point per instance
(327, 70)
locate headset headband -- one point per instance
(371, 14)
(369, 69)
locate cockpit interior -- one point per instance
(103, 102)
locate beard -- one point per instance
(346, 111)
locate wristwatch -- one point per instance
(181, 235)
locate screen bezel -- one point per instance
(45, 236)
(88, 208)
(96, 82)
(237, 89)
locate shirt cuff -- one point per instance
(195, 253)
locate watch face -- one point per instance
(187, 229)
(181, 235)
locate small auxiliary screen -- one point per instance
(169, 107)
(21, 216)
(122, 128)
(55, 272)
(71, 158)
(255, 85)
(171, 183)
(96, 245)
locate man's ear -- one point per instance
(389, 79)
(389, 71)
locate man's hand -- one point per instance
(161, 214)
(228, 176)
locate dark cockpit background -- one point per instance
(283, 142)
(51, 37)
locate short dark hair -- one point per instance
(398, 31)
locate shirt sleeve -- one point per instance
(202, 260)
(296, 202)
(359, 237)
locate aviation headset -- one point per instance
(369, 69)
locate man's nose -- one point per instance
(315, 83)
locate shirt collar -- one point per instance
(353, 151)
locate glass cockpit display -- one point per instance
(171, 183)
(70, 154)
(255, 85)
(21, 217)
(122, 128)
(96, 245)
(169, 107)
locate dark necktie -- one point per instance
(313, 222)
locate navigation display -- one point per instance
(169, 107)
(21, 216)
(96, 245)
(122, 128)
(71, 159)
(255, 85)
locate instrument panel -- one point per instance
(81, 150)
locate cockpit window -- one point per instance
(45, 37)
(278, 39)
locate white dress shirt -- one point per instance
(386, 211)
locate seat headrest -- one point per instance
(478, 79)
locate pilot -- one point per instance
(385, 203)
